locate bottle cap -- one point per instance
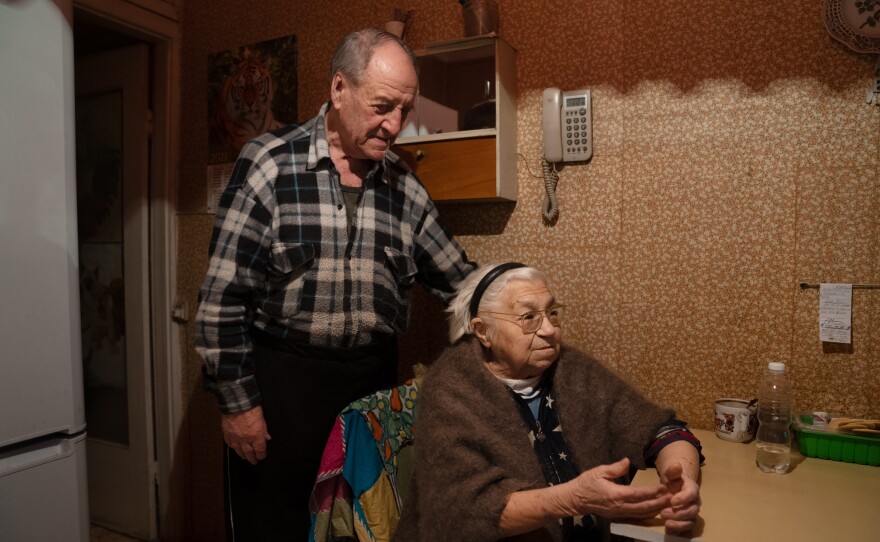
(776, 366)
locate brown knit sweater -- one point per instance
(473, 450)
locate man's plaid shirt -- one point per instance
(283, 259)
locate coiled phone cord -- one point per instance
(550, 208)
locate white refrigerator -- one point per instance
(43, 484)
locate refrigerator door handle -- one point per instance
(40, 453)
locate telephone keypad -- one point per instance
(576, 125)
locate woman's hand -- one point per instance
(592, 492)
(678, 467)
(596, 492)
(684, 506)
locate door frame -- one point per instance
(157, 22)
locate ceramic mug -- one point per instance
(735, 420)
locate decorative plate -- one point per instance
(855, 23)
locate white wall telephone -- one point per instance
(568, 137)
(568, 126)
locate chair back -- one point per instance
(365, 468)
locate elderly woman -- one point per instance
(518, 437)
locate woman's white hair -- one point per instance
(459, 309)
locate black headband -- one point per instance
(488, 279)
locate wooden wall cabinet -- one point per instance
(460, 137)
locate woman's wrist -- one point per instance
(560, 501)
(533, 508)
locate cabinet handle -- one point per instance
(419, 155)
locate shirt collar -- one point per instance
(319, 149)
(527, 388)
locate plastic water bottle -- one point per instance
(775, 400)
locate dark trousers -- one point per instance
(303, 389)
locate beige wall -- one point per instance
(734, 157)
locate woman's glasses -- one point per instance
(532, 321)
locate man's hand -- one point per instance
(246, 433)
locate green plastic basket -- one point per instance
(839, 447)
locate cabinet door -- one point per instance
(461, 169)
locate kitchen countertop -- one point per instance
(817, 500)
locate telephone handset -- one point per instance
(568, 133)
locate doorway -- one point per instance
(112, 177)
(125, 62)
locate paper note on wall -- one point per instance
(218, 178)
(835, 313)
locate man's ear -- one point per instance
(480, 331)
(338, 87)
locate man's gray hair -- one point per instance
(354, 52)
(459, 308)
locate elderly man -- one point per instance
(320, 235)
